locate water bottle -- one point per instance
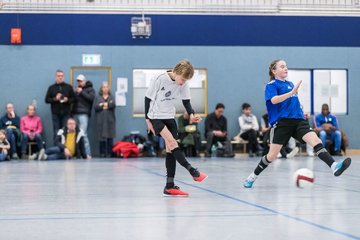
(213, 150)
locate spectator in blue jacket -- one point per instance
(10, 122)
(327, 127)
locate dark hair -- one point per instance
(245, 106)
(325, 105)
(272, 67)
(59, 71)
(220, 105)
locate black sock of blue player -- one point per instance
(264, 162)
(321, 152)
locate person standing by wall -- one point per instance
(60, 96)
(84, 95)
(105, 119)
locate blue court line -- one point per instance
(32, 218)
(257, 206)
(318, 184)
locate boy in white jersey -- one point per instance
(160, 113)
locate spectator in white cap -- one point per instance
(84, 98)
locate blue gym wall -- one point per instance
(236, 55)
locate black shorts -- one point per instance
(159, 124)
(283, 130)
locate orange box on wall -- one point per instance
(15, 36)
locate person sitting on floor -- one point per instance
(69, 143)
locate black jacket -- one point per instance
(57, 107)
(214, 123)
(79, 141)
(84, 100)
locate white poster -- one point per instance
(122, 85)
(120, 99)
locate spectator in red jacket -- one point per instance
(31, 129)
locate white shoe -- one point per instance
(41, 154)
(292, 153)
(33, 156)
(310, 153)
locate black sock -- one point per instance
(180, 157)
(321, 152)
(170, 163)
(264, 162)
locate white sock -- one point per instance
(252, 176)
(333, 166)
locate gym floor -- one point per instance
(122, 199)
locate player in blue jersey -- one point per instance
(287, 120)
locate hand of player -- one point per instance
(194, 118)
(150, 127)
(296, 88)
(65, 99)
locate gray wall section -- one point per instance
(235, 75)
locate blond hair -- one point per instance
(273, 67)
(185, 69)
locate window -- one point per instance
(321, 86)
(198, 91)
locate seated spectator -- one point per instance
(189, 136)
(249, 130)
(216, 131)
(265, 132)
(11, 123)
(327, 128)
(158, 144)
(31, 129)
(69, 143)
(4, 146)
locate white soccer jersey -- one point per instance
(163, 91)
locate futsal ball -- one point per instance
(304, 178)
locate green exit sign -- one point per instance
(91, 59)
